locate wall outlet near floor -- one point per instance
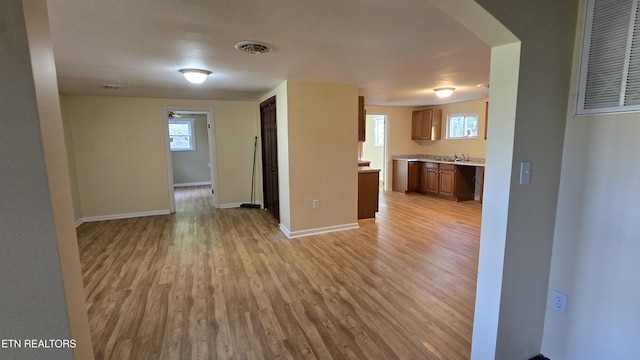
(559, 302)
(316, 204)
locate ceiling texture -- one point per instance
(397, 52)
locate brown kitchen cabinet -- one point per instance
(449, 181)
(406, 175)
(362, 120)
(413, 183)
(368, 192)
(426, 124)
(452, 181)
(430, 178)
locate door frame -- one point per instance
(265, 204)
(386, 159)
(196, 110)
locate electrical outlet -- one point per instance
(559, 301)
(316, 204)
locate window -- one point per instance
(610, 66)
(462, 126)
(378, 131)
(181, 135)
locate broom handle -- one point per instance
(253, 169)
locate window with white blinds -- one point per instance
(610, 67)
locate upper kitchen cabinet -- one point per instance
(426, 124)
(362, 120)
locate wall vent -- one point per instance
(610, 63)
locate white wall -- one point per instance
(596, 247)
(317, 155)
(42, 295)
(546, 32)
(120, 151)
(530, 72)
(323, 153)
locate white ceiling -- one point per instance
(396, 51)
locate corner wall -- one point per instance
(42, 293)
(323, 154)
(527, 100)
(596, 247)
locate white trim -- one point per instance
(197, 183)
(169, 169)
(126, 215)
(316, 231)
(386, 159)
(237, 205)
(79, 222)
(213, 156)
(209, 111)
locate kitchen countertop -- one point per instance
(366, 169)
(440, 159)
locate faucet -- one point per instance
(455, 157)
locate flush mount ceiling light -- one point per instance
(195, 76)
(444, 92)
(484, 86)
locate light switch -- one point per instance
(525, 172)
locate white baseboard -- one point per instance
(79, 222)
(192, 184)
(322, 230)
(235, 205)
(124, 216)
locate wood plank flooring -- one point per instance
(210, 283)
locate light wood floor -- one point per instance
(227, 284)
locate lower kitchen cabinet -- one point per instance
(430, 179)
(450, 181)
(447, 180)
(368, 192)
(413, 184)
(406, 175)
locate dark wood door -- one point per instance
(432, 179)
(447, 182)
(414, 176)
(269, 134)
(424, 176)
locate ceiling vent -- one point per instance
(111, 86)
(253, 47)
